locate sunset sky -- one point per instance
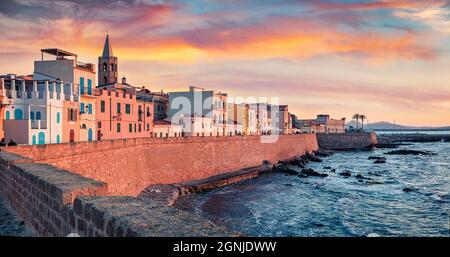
(387, 59)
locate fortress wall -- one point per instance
(128, 166)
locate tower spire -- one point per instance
(107, 49)
(107, 65)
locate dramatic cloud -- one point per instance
(350, 42)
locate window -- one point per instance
(104, 67)
(41, 138)
(130, 127)
(31, 115)
(148, 127)
(58, 139)
(118, 107)
(89, 88)
(134, 127)
(38, 115)
(99, 124)
(148, 111)
(34, 140)
(102, 106)
(118, 127)
(105, 80)
(72, 114)
(90, 134)
(81, 85)
(7, 115)
(81, 108)
(58, 117)
(18, 114)
(127, 108)
(90, 108)
(140, 127)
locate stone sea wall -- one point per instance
(56, 202)
(129, 166)
(346, 141)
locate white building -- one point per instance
(199, 102)
(34, 115)
(163, 128)
(197, 126)
(66, 67)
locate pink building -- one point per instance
(120, 115)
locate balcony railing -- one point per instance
(38, 124)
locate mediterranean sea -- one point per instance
(276, 204)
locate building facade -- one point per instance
(200, 102)
(66, 67)
(35, 111)
(160, 102)
(322, 124)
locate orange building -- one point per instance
(120, 115)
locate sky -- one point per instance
(389, 60)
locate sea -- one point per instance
(277, 204)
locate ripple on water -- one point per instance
(339, 206)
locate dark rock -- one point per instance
(412, 152)
(407, 189)
(323, 153)
(266, 162)
(359, 176)
(381, 160)
(327, 168)
(373, 182)
(292, 172)
(376, 157)
(303, 175)
(318, 224)
(312, 157)
(346, 173)
(289, 185)
(284, 168)
(311, 172)
(333, 170)
(280, 167)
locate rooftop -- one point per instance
(57, 52)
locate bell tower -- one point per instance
(107, 65)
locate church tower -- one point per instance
(107, 65)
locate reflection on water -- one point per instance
(279, 205)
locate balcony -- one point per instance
(38, 124)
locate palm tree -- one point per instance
(362, 117)
(356, 116)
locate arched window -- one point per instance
(31, 115)
(7, 115)
(41, 138)
(18, 114)
(104, 66)
(83, 126)
(34, 140)
(58, 117)
(38, 115)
